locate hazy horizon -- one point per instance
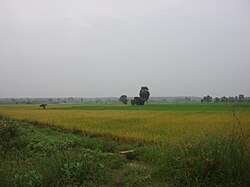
(103, 97)
(108, 48)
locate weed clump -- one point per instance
(8, 130)
(212, 161)
(29, 179)
(87, 170)
(136, 177)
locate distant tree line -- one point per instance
(237, 99)
(206, 99)
(143, 97)
(68, 100)
(103, 100)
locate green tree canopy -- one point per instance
(124, 99)
(144, 96)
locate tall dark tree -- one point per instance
(144, 93)
(144, 96)
(124, 99)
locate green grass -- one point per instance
(38, 156)
(163, 107)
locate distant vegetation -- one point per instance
(143, 97)
(112, 100)
(99, 100)
(237, 99)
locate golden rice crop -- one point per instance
(154, 126)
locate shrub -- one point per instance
(8, 130)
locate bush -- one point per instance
(8, 130)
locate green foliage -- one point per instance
(124, 99)
(8, 130)
(29, 179)
(212, 161)
(137, 101)
(57, 158)
(144, 96)
(163, 107)
(87, 170)
(114, 161)
(207, 99)
(144, 93)
(151, 154)
(136, 176)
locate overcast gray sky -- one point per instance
(60, 48)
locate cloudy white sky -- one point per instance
(60, 48)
